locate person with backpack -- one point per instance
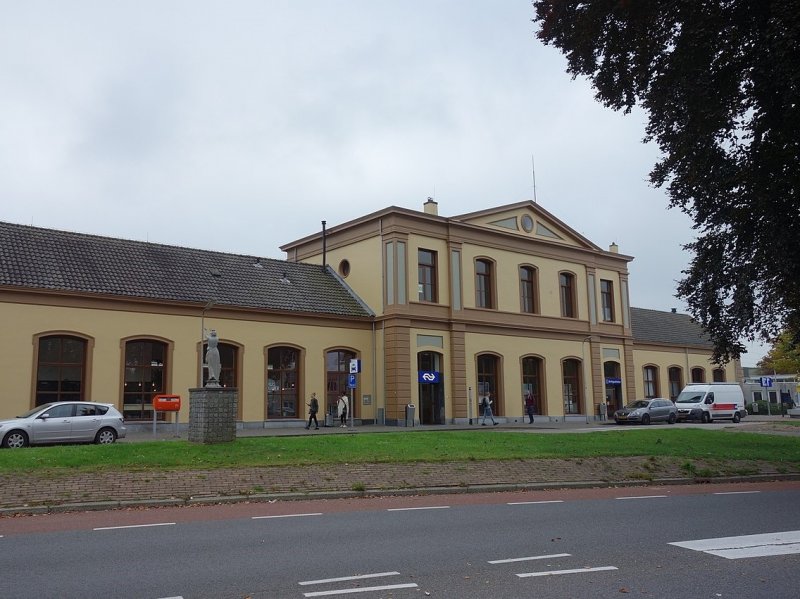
(313, 408)
(342, 407)
(486, 408)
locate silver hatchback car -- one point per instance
(647, 411)
(64, 422)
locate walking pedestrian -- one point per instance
(342, 407)
(313, 408)
(530, 406)
(486, 406)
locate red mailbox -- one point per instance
(167, 403)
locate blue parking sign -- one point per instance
(351, 381)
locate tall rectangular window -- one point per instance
(650, 381)
(607, 299)
(527, 289)
(567, 288)
(483, 284)
(427, 276)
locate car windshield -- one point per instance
(44, 406)
(690, 397)
(639, 403)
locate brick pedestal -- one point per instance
(212, 414)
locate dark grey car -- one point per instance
(64, 422)
(646, 411)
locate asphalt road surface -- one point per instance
(739, 541)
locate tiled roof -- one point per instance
(672, 328)
(36, 258)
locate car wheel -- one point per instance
(15, 439)
(672, 418)
(646, 419)
(736, 418)
(105, 436)
(705, 418)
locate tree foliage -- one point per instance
(783, 357)
(720, 83)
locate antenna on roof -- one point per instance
(533, 175)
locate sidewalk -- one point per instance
(32, 493)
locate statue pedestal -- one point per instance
(212, 414)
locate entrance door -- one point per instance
(611, 372)
(431, 394)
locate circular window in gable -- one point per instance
(344, 268)
(527, 223)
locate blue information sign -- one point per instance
(429, 376)
(351, 381)
(613, 381)
(766, 381)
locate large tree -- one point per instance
(720, 83)
(783, 357)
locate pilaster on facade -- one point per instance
(630, 373)
(458, 371)
(397, 339)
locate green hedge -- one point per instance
(775, 409)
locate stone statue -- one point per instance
(212, 360)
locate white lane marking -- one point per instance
(134, 526)
(573, 571)
(775, 543)
(534, 502)
(176, 597)
(346, 578)
(642, 497)
(286, 516)
(737, 493)
(525, 559)
(410, 509)
(388, 587)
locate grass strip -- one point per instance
(434, 446)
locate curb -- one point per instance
(400, 492)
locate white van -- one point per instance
(710, 401)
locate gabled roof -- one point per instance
(670, 328)
(48, 259)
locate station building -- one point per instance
(438, 310)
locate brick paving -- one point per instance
(24, 492)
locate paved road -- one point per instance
(655, 542)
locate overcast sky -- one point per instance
(239, 125)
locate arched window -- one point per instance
(651, 381)
(229, 360)
(283, 374)
(61, 369)
(571, 385)
(484, 284)
(698, 375)
(719, 375)
(532, 381)
(528, 289)
(337, 366)
(675, 375)
(488, 367)
(145, 368)
(567, 292)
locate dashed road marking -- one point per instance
(348, 578)
(411, 509)
(135, 526)
(573, 571)
(525, 559)
(642, 497)
(286, 516)
(737, 493)
(535, 502)
(388, 587)
(741, 547)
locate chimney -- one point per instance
(431, 207)
(674, 310)
(613, 248)
(324, 246)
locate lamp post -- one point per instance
(583, 366)
(206, 308)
